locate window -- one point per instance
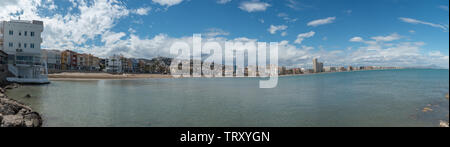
(31, 45)
(20, 45)
(25, 33)
(11, 44)
(32, 34)
(20, 33)
(24, 45)
(11, 32)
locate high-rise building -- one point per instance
(317, 66)
(21, 40)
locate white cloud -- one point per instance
(286, 17)
(223, 1)
(261, 20)
(391, 37)
(415, 21)
(284, 34)
(435, 54)
(8, 2)
(375, 40)
(356, 39)
(380, 51)
(319, 22)
(142, 11)
(254, 6)
(214, 32)
(296, 5)
(302, 37)
(274, 29)
(167, 3)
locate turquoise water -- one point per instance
(366, 98)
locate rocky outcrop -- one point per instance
(444, 123)
(15, 114)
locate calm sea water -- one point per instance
(366, 98)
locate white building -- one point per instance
(21, 40)
(114, 64)
(317, 66)
(52, 58)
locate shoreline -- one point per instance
(16, 114)
(103, 76)
(79, 76)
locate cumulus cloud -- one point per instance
(302, 37)
(380, 51)
(254, 6)
(274, 29)
(319, 22)
(167, 3)
(415, 21)
(142, 11)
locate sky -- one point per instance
(404, 33)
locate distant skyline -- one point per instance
(348, 32)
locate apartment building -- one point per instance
(93, 63)
(82, 61)
(52, 58)
(114, 64)
(318, 66)
(69, 60)
(21, 40)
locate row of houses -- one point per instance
(58, 61)
(121, 64)
(69, 61)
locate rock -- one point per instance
(28, 96)
(6, 110)
(2, 90)
(23, 112)
(444, 124)
(33, 119)
(12, 86)
(12, 121)
(15, 114)
(426, 109)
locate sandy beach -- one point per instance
(103, 76)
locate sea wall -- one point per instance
(16, 114)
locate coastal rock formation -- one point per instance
(15, 114)
(444, 124)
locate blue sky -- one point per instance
(369, 32)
